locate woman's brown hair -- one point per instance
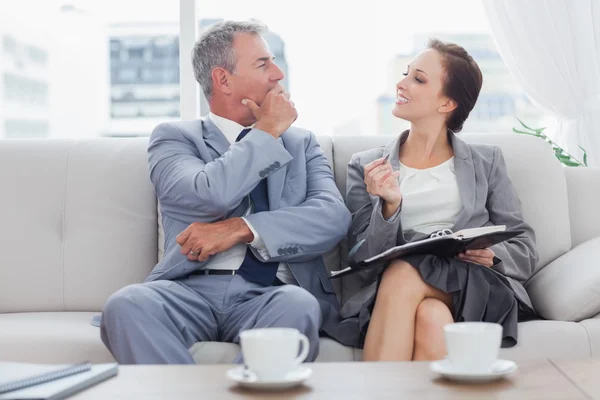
(461, 82)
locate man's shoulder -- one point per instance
(178, 128)
(296, 133)
(298, 138)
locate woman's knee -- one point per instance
(401, 279)
(432, 315)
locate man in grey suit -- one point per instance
(249, 206)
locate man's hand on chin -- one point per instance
(200, 240)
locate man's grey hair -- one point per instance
(214, 49)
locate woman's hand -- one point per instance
(382, 181)
(483, 257)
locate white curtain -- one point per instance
(552, 48)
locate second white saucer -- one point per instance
(498, 370)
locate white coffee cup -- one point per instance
(473, 346)
(272, 353)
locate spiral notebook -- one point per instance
(443, 243)
(50, 382)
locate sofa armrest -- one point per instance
(568, 289)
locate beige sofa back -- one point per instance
(78, 222)
(79, 217)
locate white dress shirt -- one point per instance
(233, 258)
(430, 197)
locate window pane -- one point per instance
(87, 69)
(343, 60)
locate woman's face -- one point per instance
(419, 93)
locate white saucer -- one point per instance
(499, 369)
(249, 380)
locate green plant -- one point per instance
(560, 153)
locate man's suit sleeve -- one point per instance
(184, 183)
(312, 228)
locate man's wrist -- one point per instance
(245, 234)
(269, 128)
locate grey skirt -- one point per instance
(478, 294)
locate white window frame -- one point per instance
(189, 102)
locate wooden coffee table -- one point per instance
(358, 380)
(585, 374)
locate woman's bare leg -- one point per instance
(430, 344)
(391, 333)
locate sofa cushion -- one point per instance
(567, 288)
(31, 274)
(592, 327)
(68, 337)
(549, 339)
(51, 337)
(88, 211)
(225, 353)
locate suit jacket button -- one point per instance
(262, 174)
(277, 165)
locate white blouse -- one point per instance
(430, 197)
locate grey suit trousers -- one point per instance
(157, 322)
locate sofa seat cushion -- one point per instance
(592, 327)
(549, 339)
(225, 353)
(68, 337)
(51, 337)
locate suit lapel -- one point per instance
(393, 149)
(216, 140)
(465, 178)
(275, 183)
(213, 137)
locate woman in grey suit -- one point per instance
(428, 180)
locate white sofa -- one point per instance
(79, 221)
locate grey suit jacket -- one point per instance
(488, 198)
(198, 177)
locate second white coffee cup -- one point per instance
(473, 346)
(272, 353)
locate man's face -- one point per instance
(255, 73)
